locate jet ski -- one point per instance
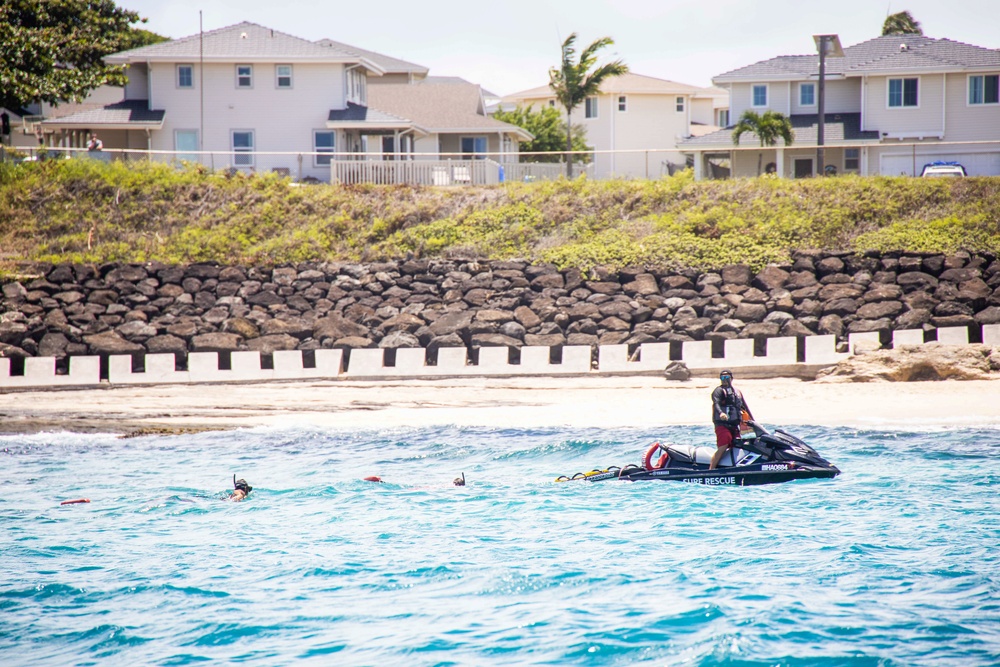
(757, 457)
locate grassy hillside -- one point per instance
(86, 211)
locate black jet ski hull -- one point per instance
(751, 476)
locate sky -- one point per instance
(510, 45)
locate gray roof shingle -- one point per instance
(881, 54)
(120, 113)
(839, 128)
(388, 63)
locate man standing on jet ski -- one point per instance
(728, 405)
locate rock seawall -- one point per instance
(71, 310)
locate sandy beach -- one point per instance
(606, 402)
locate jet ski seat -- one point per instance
(691, 454)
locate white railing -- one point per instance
(415, 172)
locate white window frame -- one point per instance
(623, 103)
(856, 158)
(177, 78)
(984, 103)
(767, 95)
(802, 86)
(238, 76)
(278, 76)
(680, 104)
(902, 92)
(590, 104)
(181, 156)
(324, 160)
(240, 151)
(719, 118)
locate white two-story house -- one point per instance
(255, 99)
(635, 122)
(892, 105)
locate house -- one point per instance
(892, 104)
(255, 99)
(635, 122)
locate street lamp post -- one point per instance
(827, 45)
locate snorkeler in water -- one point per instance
(240, 490)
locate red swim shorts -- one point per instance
(723, 435)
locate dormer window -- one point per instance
(759, 95)
(244, 76)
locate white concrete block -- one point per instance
(329, 363)
(366, 362)
(823, 350)
(246, 366)
(4, 371)
(612, 358)
(493, 360)
(85, 370)
(40, 371)
(535, 360)
(654, 356)
(739, 352)
(907, 337)
(575, 359)
(953, 335)
(411, 361)
(288, 365)
(698, 354)
(866, 337)
(991, 335)
(204, 367)
(453, 361)
(782, 350)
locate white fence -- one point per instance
(782, 357)
(444, 172)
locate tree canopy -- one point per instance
(576, 80)
(52, 50)
(549, 129)
(768, 128)
(901, 23)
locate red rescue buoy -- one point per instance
(647, 461)
(373, 478)
(75, 502)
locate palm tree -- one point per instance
(574, 82)
(901, 23)
(768, 127)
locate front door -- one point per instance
(803, 168)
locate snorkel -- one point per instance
(459, 481)
(241, 485)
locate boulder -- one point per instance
(397, 339)
(831, 324)
(879, 309)
(270, 343)
(336, 327)
(750, 312)
(989, 315)
(644, 283)
(296, 327)
(736, 274)
(13, 333)
(137, 331)
(527, 317)
(352, 342)
(676, 371)
(241, 326)
(758, 329)
(771, 277)
(111, 342)
(449, 323)
(53, 344)
(494, 340)
(216, 342)
(913, 363)
(166, 344)
(545, 340)
(513, 330)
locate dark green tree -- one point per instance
(901, 23)
(576, 80)
(768, 127)
(52, 50)
(549, 131)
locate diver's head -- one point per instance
(459, 481)
(726, 378)
(241, 485)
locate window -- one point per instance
(243, 148)
(723, 118)
(852, 158)
(185, 76)
(590, 108)
(984, 89)
(473, 145)
(679, 104)
(356, 83)
(324, 141)
(283, 76)
(186, 140)
(244, 76)
(552, 103)
(903, 93)
(622, 103)
(807, 94)
(760, 95)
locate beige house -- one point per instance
(255, 99)
(636, 122)
(892, 105)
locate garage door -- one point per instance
(976, 164)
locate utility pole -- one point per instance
(824, 43)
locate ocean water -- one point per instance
(895, 562)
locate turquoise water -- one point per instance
(893, 563)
